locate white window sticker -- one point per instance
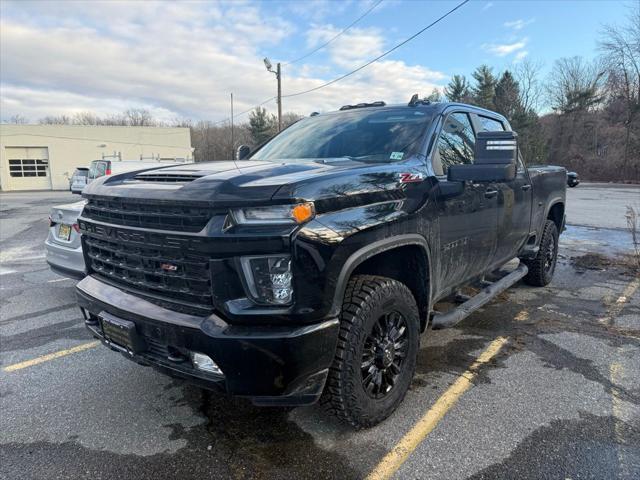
(396, 155)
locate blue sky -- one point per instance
(181, 60)
(549, 29)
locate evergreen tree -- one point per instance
(506, 99)
(458, 89)
(262, 125)
(484, 89)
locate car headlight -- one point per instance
(268, 279)
(277, 214)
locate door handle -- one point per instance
(526, 187)
(490, 193)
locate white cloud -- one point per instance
(520, 55)
(350, 49)
(178, 60)
(503, 49)
(487, 6)
(518, 24)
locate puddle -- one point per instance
(602, 240)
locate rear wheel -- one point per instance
(542, 267)
(376, 353)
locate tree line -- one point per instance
(591, 119)
(584, 115)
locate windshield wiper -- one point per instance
(339, 159)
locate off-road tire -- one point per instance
(542, 267)
(366, 300)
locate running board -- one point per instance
(455, 316)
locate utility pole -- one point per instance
(233, 153)
(278, 73)
(279, 77)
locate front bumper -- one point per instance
(272, 365)
(64, 260)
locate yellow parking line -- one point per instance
(617, 307)
(399, 454)
(50, 356)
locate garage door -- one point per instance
(27, 168)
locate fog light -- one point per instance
(203, 362)
(269, 279)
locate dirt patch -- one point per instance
(595, 261)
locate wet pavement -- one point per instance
(560, 400)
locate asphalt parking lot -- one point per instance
(560, 397)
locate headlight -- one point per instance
(277, 214)
(268, 279)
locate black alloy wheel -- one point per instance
(383, 355)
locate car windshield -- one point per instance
(81, 173)
(98, 169)
(367, 135)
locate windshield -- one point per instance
(366, 135)
(98, 169)
(81, 173)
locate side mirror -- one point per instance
(242, 152)
(496, 156)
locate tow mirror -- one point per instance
(242, 152)
(495, 160)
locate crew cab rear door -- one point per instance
(468, 217)
(513, 202)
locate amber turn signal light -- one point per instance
(303, 212)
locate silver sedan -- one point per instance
(63, 246)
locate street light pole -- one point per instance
(278, 73)
(233, 153)
(279, 77)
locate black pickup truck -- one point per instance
(309, 269)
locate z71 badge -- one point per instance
(411, 177)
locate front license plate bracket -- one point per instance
(122, 333)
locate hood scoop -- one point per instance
(166, 177)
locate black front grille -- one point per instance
(174, 278)
(138, 213)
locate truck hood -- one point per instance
(222, 183)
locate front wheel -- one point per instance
(542, 267)
(376, 352)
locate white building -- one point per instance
(43, 157)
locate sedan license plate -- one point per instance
(64, 232)
(121, 332)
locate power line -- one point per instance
(332, 39)
(380, 56)
(244, 111)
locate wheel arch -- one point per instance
(555, 212)
(376, 258)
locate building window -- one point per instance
(28, 167)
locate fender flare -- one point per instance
(550, 205)
(373, 249)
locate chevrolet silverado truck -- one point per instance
(308, 269)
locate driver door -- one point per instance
(468, 220)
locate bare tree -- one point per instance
(527, 74)
(575, 85)
(139, 117)
(86, 118)
(18, 119)
(620, 47)
(290, 118)
(55, 120)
